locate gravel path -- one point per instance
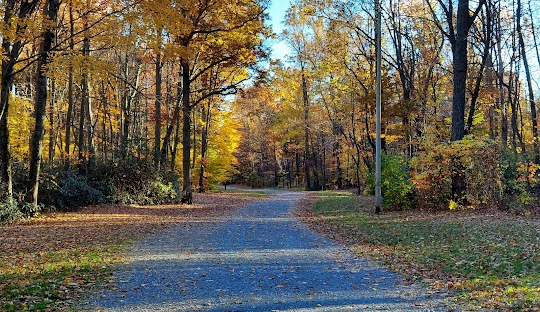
(260, 259)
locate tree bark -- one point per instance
(69, 116)
(500, 74)
(89, 113)
(460, 62)
(126, 113)
(157, 116)
(52, 133)
(207, 114)
(339, 172)
(194, 140)
(306, 130)
(106, 116)
(50, 11)
(187, 188)
(176, 141)
(170, 127)
(6, 184)
(532, 104)
(12, 50)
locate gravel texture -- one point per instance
(260, 259)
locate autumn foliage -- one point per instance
(120, 101)
(433, 173)
(449, 144)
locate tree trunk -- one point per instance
(406, 76)
(488, 33)
(194, 140)
(459, 58)
(173, 123)
(187, 189)
(89, 112)
(157, 116)
(500, 74)
(52, 133)
(306, 130)
(297, 167)
(176, 141)
(69, 115)
(126, 113)
(276, 172)
(82, 147)
(50, 11)
(204, 145)
(6, 188)
(339, 171)
(529, 85)
(11, 50)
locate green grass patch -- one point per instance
(490, 261)
(248, 193)
(54, 279)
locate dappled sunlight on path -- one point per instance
(260, 259)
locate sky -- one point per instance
(277, 11)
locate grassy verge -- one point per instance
(53, 280)
(49, 263)
(246, 192)
(488, 259)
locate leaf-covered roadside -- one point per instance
(488, 259)
(48, 263)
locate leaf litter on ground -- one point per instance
(488, 259)
(48, 263)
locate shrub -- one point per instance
(520, 181)
(477, 158)
(130, 182)
(135, 181)
(67, 190)
(254, 180)
(75, 192)
(396, 186)
(11, 210)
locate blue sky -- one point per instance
(277, 11)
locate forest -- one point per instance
(149, 101)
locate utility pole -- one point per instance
(378, 195)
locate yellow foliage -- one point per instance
(478, 158)
(223, 142)
(527, 172)
(20, 121)
(452, 205)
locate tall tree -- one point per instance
(215, 34)
(486, 39)
(69, 114)
(16, 14)
(297, 35)
(457, 32)
(534, 120)
(50, 12)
